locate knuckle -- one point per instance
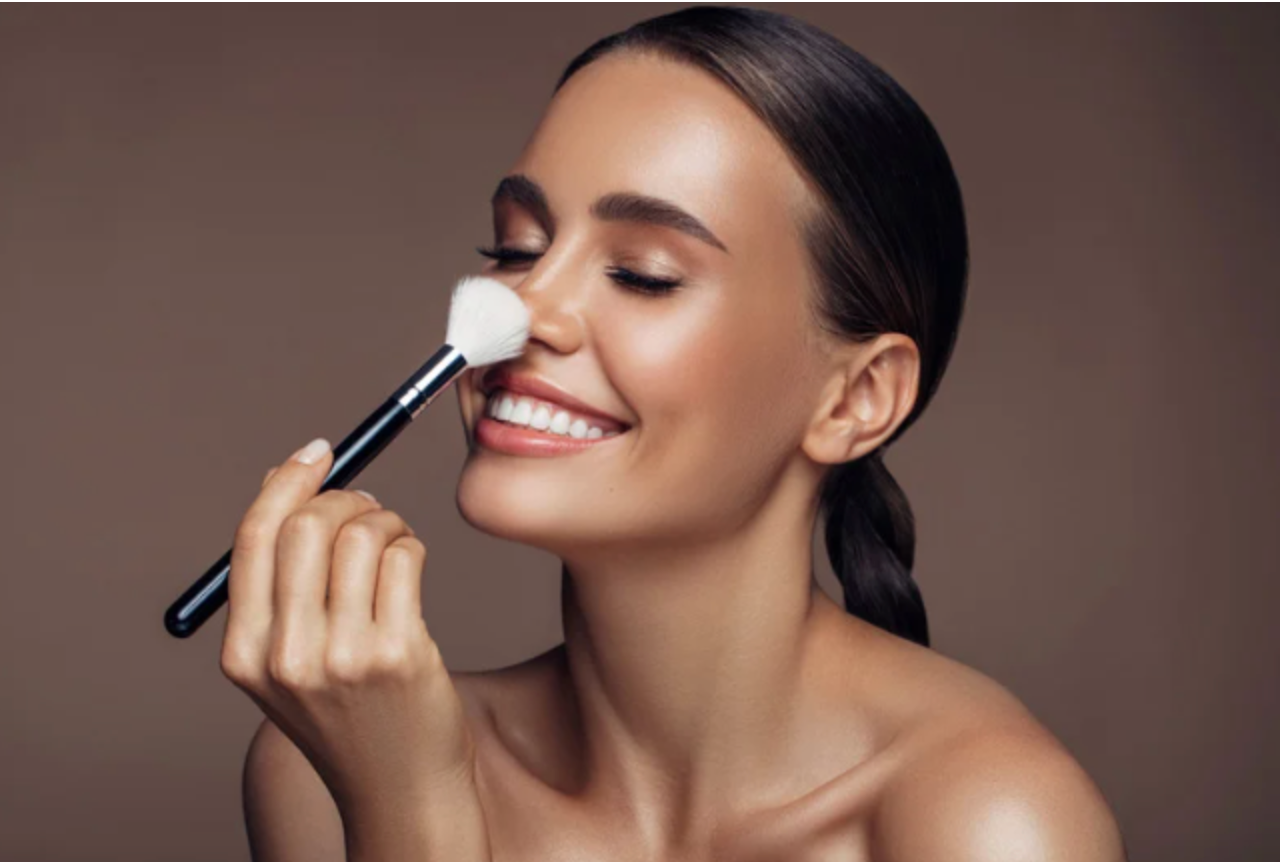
(359, 532)
(398, 554)
(408, 548)
(343, 664)
(238, 662)
(290, 669)
(300, 523)
(393, 659)
(252, 532)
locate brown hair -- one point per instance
(888, 247)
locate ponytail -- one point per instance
(871, 540)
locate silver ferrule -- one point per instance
(434, 375)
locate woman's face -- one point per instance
(718, 379)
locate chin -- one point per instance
(493, 501)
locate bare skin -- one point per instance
(709, 701)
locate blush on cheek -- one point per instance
(673, 362)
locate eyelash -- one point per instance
(640, 283)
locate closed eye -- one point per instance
(645, 284)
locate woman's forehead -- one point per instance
(665, 129)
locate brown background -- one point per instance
(224, 231)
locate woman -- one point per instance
(744, 253)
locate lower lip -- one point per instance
(515, 440)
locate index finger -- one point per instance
(250, 582)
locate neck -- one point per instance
(686, 664)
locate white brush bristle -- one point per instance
(488, 321)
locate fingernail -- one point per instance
(367, 494)
(312, 452)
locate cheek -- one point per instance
(670, 364)
(721, 378)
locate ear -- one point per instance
(872, 389)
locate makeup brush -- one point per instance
(488, 322)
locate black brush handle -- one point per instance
(353, 454)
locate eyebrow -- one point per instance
(616, 206)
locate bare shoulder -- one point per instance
(995, 795)
(289, 813)
(978, 777)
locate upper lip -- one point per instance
(542, 388)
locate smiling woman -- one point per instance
(743, 243)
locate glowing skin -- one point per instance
(711, 375)
(707, 687)
(687, 538)
(710, 702)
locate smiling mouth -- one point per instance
(488, 427)
(546, 418)
(510, 438)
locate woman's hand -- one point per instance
(355, 681)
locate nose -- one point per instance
(554, 297)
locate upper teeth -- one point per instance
(541, 415)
